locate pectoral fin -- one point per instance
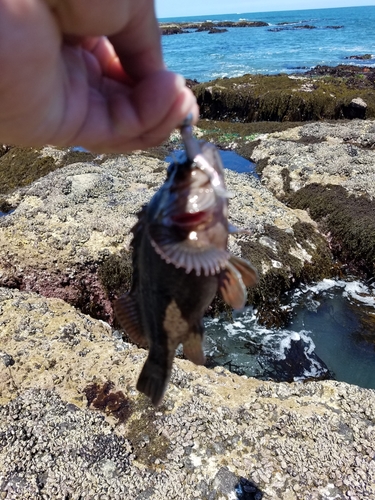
(248, 272)
(186, 253)
(193, 349)
(127, 313)
(232, 287)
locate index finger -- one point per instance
(138, 45)
(131, 26)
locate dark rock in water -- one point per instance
(364, 57)
(242, 24)
(289, 28)
(177, 28)
(297, 364)
(217, 30)
(172, 30)
(304, 27)
(333, 27)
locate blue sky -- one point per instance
(173, 8)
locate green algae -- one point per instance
(267, 295)
(115, 273)
(21, 166)
(280, 98)
(349, 219)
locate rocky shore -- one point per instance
(322, 93)
(211, 27)
(72, 425)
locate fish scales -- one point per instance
(180, 261)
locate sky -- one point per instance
(173, 8)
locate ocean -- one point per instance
(331, 333)
(285, 46)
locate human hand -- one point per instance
(88, 73)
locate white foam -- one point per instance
(359, 292)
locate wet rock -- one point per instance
(363, 57)
(69, 235)
(283, 98)
(276, 440)
(327, 169)
(211, 27)
(217, 30)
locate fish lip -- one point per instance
(190, 219)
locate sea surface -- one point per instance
(282, 47)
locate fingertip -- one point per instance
(180, 81)
(185, 104)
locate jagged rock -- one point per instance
(328, 169)
(69, 233)
(217, 435)
(357, 108)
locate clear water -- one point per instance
(238, 51)
(230, 159)
(331, 334)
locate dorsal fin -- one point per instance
(127, 312)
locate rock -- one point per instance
(211, 27)
(357, 109)
(363, 57)
(258, 98)
(327, 169)
(69, 234)
(217, 30)
(267, 440)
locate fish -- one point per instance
(180, 260)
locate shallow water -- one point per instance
(331, 335)
(230, 159)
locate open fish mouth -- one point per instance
(190, 219)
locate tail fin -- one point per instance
(153, 380)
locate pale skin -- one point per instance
(88, 73)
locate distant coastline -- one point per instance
(210, 26)
(271, 43)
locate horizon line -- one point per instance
(264, 11)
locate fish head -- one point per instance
(188, 216)
(191, 198)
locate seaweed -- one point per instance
(111, 403)
(280, 98)
(21, 166)
(349, 220)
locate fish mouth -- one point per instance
(190, 219)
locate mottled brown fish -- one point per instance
(180, 260)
